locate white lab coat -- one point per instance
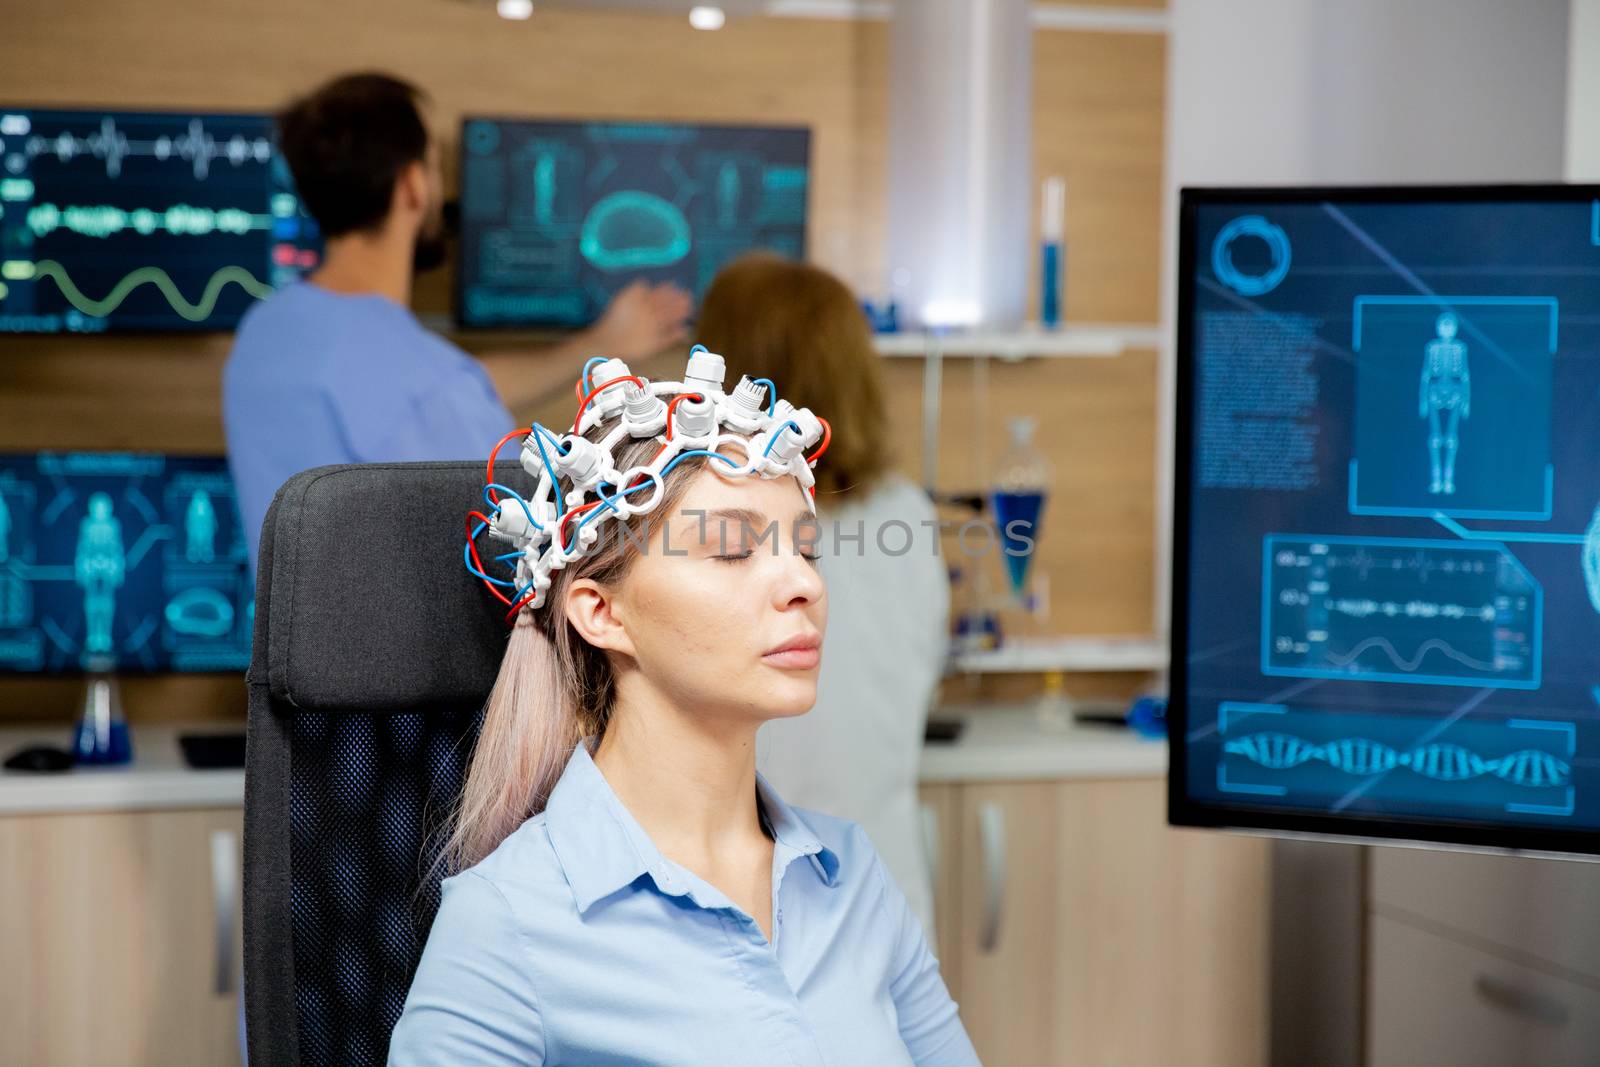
(856, 753)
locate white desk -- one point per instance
(1000, 743)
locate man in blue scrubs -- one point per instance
(336, 369)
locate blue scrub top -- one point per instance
(319, 377)
(578, 942)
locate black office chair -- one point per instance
(373, 654)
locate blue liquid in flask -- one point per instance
(102, 743)
(1019, 543)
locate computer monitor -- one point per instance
(557, 216)
(117, 561)
(143, 220)
(1386, 588)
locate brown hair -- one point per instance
(346, 143)
(801, 327)
(554, 687)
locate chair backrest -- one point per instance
(373, 653)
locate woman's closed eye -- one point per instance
(742, 556)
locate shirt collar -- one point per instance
(790, 831)
(602, 848)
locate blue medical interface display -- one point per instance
(557, 216)
(1389, 512)
(121, 561)
(129, 220)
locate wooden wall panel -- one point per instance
(1099, 121)
(1099, 110)
(1096, 425)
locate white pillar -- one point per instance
(1583, 92)
(960, 160)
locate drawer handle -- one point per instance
(1521, 1001)
(224, 887)
(992, 839)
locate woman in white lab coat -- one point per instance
(856, 754)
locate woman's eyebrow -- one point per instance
(747, 516)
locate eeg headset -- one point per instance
(556, 526)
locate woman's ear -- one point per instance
(591, 609)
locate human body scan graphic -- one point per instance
(728, 196)
(1444, 399)
(544, 187)
(1591, 559)
(99, 568)
(200, 526)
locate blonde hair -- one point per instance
(554, 687)
(801, 326)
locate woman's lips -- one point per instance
(794, 659)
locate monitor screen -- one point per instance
(130, 562)
(1386, 613)
(133, 220)
(557, 216)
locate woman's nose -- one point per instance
(802, 577)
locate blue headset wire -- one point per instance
(526, 510)
(772, 394)
(588, 383)
(775, 433)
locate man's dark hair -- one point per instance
(346, 144)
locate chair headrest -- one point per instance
(362, 600)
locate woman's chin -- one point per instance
(796, 698)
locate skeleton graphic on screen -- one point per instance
(1591, 559)
(1444, 399)
(99, 568)
(200, 525)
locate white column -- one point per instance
(960, 159)
(1583, 92)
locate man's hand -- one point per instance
(640, 321)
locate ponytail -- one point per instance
(529, 730)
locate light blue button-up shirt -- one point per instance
(577, 942)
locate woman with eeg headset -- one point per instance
(856, 754)
(628, 889)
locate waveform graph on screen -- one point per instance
(122, 220)
(1355, 760)
(1426, 612)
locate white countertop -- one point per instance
(1006, 743)
(157, 778)
(999, 743)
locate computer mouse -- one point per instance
(39, 758)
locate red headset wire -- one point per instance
(476, 561)
(523, 431)
(827, 437)
(597, 390)
(671, 406)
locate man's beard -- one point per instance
(431, 250)
(433, 242)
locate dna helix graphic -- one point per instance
(1439, 760)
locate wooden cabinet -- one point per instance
(1481, 959)
(119, 938)
(1076, 927)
